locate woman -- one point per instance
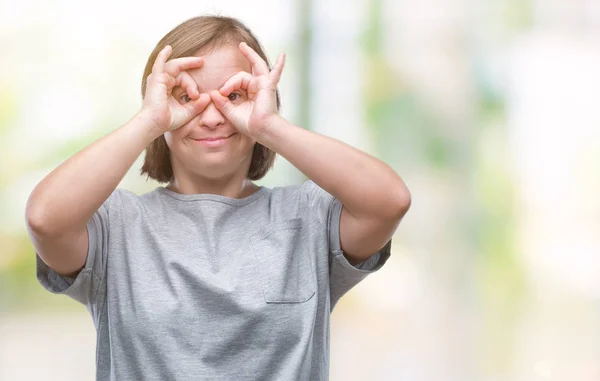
(213, 277)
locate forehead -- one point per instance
(219, 65)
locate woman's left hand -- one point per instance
(256, 107)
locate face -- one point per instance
(190, 155)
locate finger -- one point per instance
(177, 65)
(259, 66)
(198, 105)
(222, 103)
(241, 80)
(159, 85)
(182, 114)
(161, 59)
(277, 69)
(187, 83)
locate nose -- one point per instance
(211, 117)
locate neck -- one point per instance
(228, 187)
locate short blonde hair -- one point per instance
(186, 40)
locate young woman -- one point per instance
(213, 277)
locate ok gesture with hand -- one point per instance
(251, 114)
(166, 112)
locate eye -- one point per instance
(185, 98)
(234, 97)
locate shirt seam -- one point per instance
(234, 203)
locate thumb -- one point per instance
(195, 107)
(222, 103)
(183, 114)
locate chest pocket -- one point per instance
(284, 265)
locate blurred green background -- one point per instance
(488, 110)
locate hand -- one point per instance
(253, 113)
(163, 110)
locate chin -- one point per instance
(215, 170)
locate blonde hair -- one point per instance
(186, 40)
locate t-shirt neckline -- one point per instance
(213, 197)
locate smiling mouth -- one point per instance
(213, 139)
(213, 142)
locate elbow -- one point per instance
(35, 222)
(401, 204)
(36, 219)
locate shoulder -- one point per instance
(122, 196)
(306, 190)
(306, 199)
(123, 200)
(306, 195)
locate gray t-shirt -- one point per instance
(206, 287)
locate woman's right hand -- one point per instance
(164, 111)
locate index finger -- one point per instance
(259, 66)
(161, 59)
(177, 65)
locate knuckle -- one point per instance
(156, 77)
(159, 77)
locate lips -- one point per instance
(214, 138)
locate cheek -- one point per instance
(247, 143)
(172, 137)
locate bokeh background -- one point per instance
(488, 110)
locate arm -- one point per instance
(374, 197)
(60, 206)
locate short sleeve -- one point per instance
(343, 276)
(85, 286)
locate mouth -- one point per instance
(212, 142)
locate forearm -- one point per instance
(364, 184)
(67, 197)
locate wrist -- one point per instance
(271, 133)
(144, 121)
